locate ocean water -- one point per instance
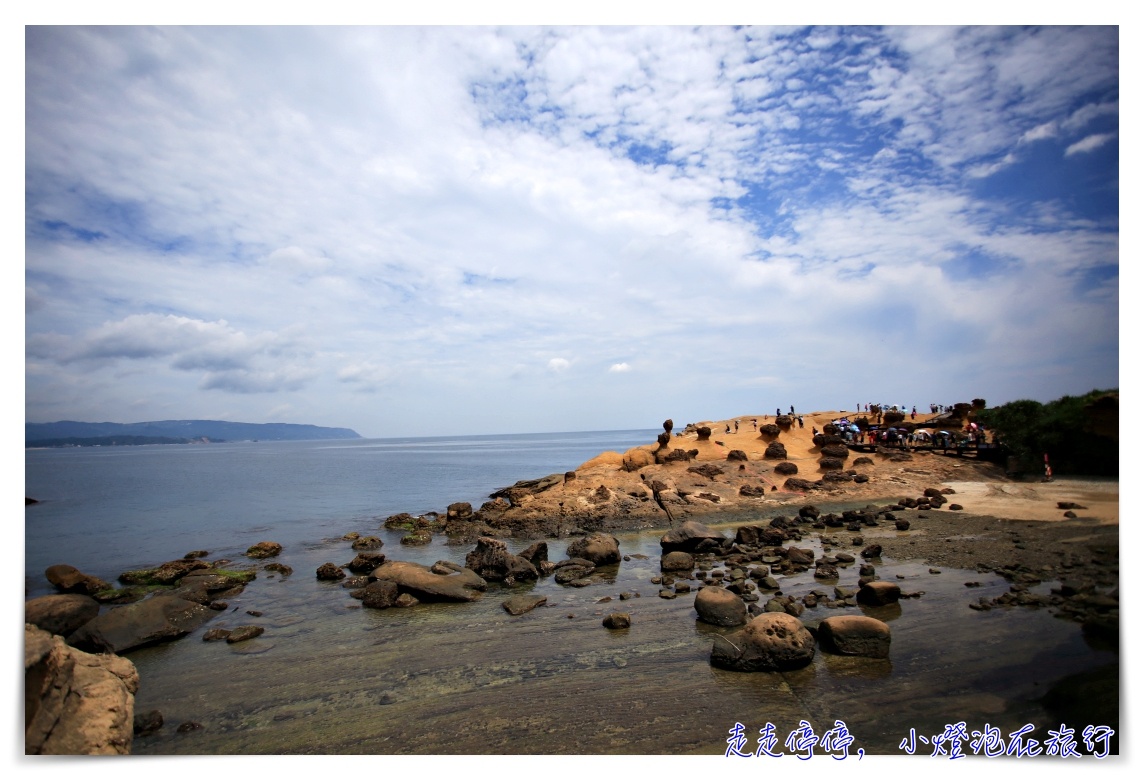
(331, 677)
(106, 510)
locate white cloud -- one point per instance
(619, 368)
(556, 365)
(1089, 143)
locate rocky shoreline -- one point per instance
(732, 574)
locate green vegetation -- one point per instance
(1079, 433)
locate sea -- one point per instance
(329, 677)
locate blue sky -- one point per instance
(435, 230)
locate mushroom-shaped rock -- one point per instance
(720, 607)
(599, 548)
(417, 580)
(736, 455)
(688, 536)
(263, 550)
(855, 635)
(491, 560)
(703, 433)
(786, 468)
(677, 560)
(771, 642)
(60, 613)
(879, 593)
(776, 450)
(840, 451)
(768, 431)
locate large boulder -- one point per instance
(76, 703)
(157, 619)
(599, 548)
(491, 560)
(771, 642)
(855, 635)
(379, 594)
(688, 537)
(69, 579)
(720, 607)
(61, 613)
(424, 585)
(776, 450)
(786, 468)
(365, 562)
(461, 510)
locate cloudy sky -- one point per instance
(420, 231)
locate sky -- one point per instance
(412, 230)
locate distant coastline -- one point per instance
(69, 433)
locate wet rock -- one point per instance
(492, 561)
(417, 580)
(773, 642)
(599, 548)
(244, 633)
(525, 602)
(365, 562)
(61, 613)
(330, 572)
(872, 551)
(367, 543)
(379, 594)
(720, 607)
(69, 579)
(618, 620)
(535, 553)
(856, 635)
(677, 560)
(280, 568)
(263, 550)
(879, 593)
(157, 619)
(147, 723)
(567, 575)
(462, 510)
(215, 634)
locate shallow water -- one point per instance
(330, 677)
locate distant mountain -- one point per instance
(38, 434)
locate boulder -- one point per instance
(768, 431)
(677, 560)
(330, 572)
(855, 635)
(61, 613)
(76, 703)
(521, 603)
(688, 536)
(462, 510)
(776, 450)
(491, 560)
(830, 464)
(424, 585)
(367, 543)
(617, 620)
(157, 619)
(771, 642)
(599, 548)
(263, 550)
(752, 491)
(379, 594)
(879, 593)
(365, 562)
(703, 433)
(737, 455)
(786, 468)
(535, 552)
(720, 607)
(69, 579)
(840, 451)
(636, 459)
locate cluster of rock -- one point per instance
(79, 691)
(733, 576)
(381, 584)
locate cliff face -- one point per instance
(75, 703)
